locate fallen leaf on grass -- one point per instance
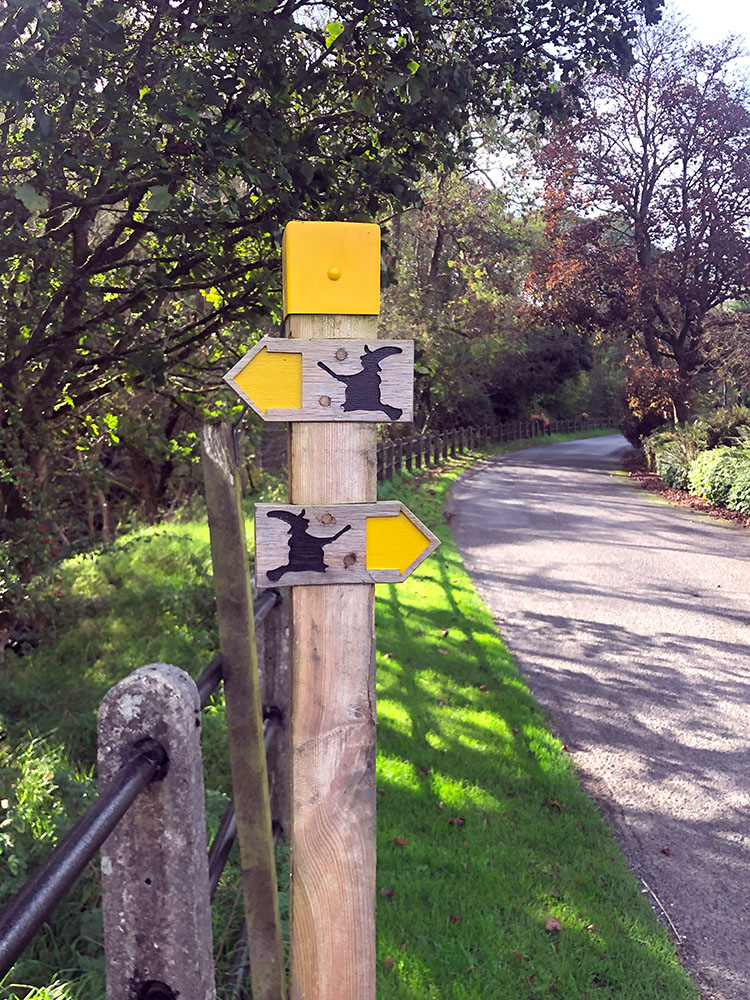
(518, 955)
(387, 656)
(454, 918)
(445, 631)
(400, 841)
(554, 804)
(457, 821)
(443, 651)
(387, 892)
(388, 963)
(552, 925)
(482, 687)
(442, 702)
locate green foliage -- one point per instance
(709, 456)
(727, 426)
(670, 453)
(151, 155)
(147, 598)
(712, 474)
(739, 495)
(459, 265)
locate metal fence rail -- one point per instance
(29, 910)
(44, 890)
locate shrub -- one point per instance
(722, 476)
(670, 453)
(711, 474)
(727, 426)
(739, 495)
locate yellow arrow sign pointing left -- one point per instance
(271, 381)
(327, 380)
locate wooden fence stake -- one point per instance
(247, 756)
(156, 906)
(332, 955)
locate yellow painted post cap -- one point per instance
(331, 267)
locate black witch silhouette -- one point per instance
(363, 387)
(305, 551)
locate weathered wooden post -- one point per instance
(333, 380)
(234, 609)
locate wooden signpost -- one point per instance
(335, 382)
(338, 543)
(327, 380)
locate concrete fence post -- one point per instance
(155, 893)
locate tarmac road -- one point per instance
(630, 620)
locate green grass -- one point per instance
(498, 836)
(460, 738)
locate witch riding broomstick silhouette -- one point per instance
(305, 550)
(363, 387)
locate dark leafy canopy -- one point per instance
(153, 151)
(157, 149)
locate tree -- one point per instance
(648, 206)
(154, 150)
(460, 262)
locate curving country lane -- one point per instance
(630, 620)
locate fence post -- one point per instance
(155, 894)
(409, 453)
(234, 610)
(420, 449)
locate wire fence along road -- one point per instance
(629, 618)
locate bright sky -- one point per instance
(712, 20)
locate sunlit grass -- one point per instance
(459, 739)
(483, 831)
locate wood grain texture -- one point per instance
(318, 544)
(333, 721)
(234, 611)
(344, 390)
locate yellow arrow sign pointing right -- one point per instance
(272, 381)
(394, 543)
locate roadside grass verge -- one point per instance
(456, 726)
(484, 834)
